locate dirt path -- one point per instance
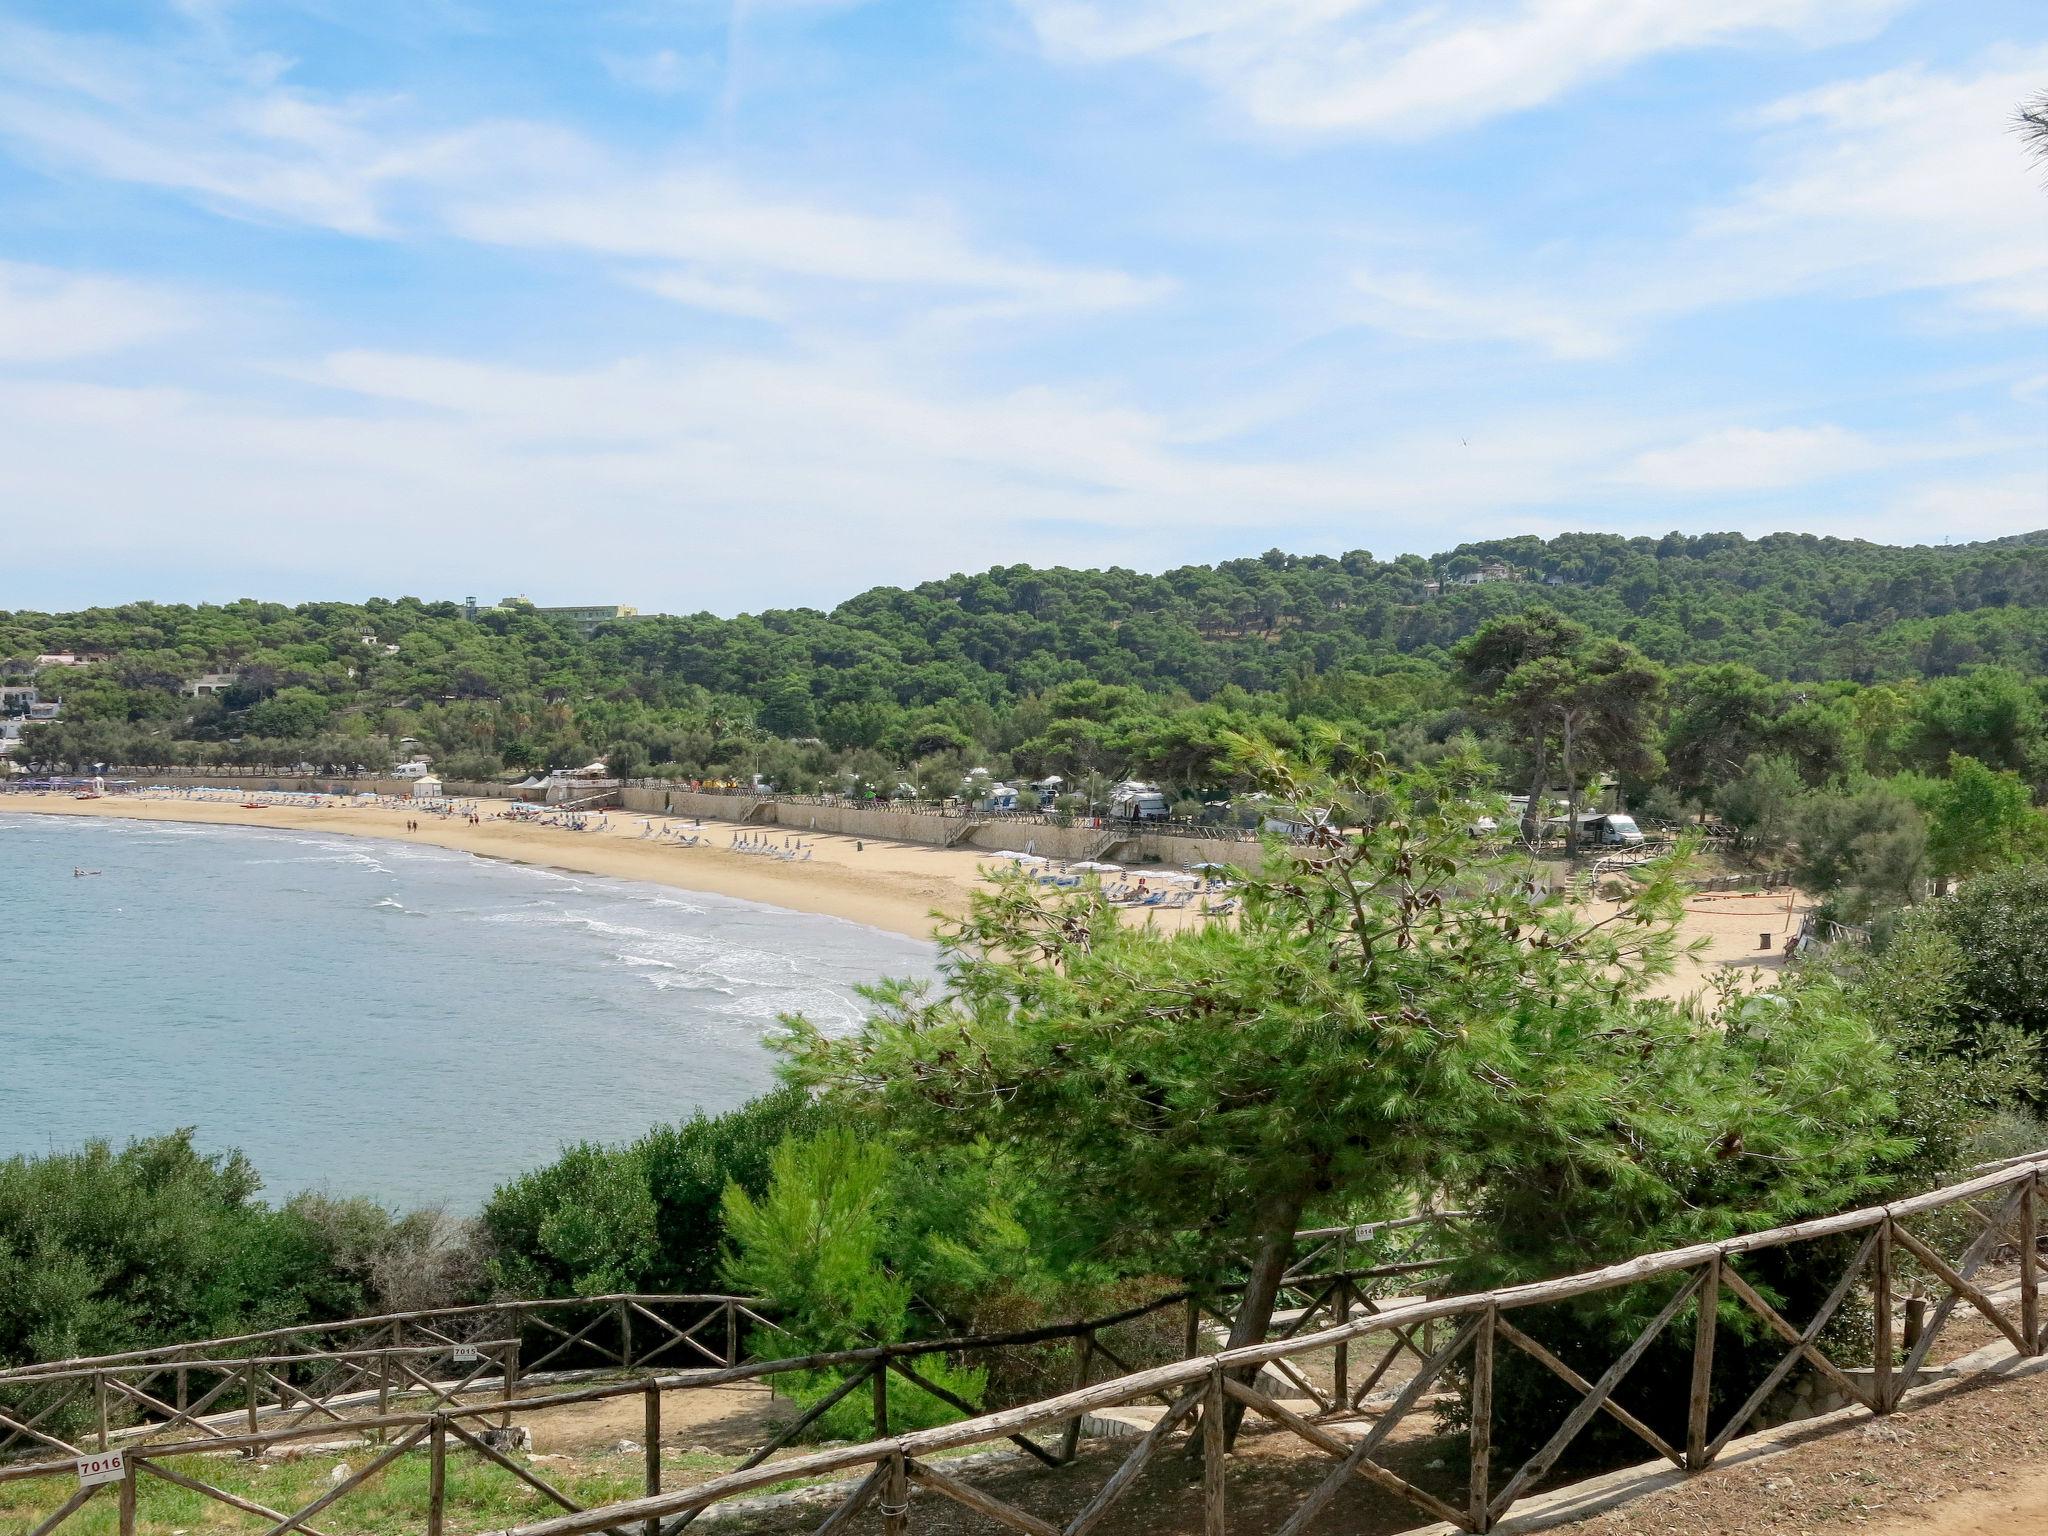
(1971, 1462)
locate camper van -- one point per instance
(1133, 800)
(1616, 830)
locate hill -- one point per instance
(1038, 666)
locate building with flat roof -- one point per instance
(585, 616)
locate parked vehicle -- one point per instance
(1616, 830)
(1134, 800)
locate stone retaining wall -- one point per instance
(884, 824)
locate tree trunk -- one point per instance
(1532, 817)
(1261, 1294)
(1571, 794)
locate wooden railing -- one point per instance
(375, 1377)
(1936, 1242)
(1699, 1283)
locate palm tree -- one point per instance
(2033, 125)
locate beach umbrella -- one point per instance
(1107, 869)
(1207, 866)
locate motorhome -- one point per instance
(1134, 800)
(1615, 830)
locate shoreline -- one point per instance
(901, 888)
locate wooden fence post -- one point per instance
(880, 1381)
(625, 1335)
(652, 1441)
(1881, 1319)
(1699, 1401)
(437, 1475)
(2030, 1275)
(127, 1508)
(1070, 1439)
(895, 1494)
(99, 1390)
(508, 1381)
(1214, 1451)
(732, 1335)
(1341, 1369)
(1481, 1487)
(1191, 1331)
(249, 1389)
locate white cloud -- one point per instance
(1743, 458)
(722, 226)
(1904, 182)
(1899, 181)
(1410, 70)
(1753, 459)
(841, 470)
(1980, 507)
(48, 315)
(663, 72)
(235, 139)
(1419, 307)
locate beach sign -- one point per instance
(467, 1354)
(105, 1467)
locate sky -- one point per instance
(731, 304)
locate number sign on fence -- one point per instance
(105, 1467)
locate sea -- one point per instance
(361, 1016)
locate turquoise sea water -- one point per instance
(373, 1017)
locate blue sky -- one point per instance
(761, 302)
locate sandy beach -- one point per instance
(897, 886)
(902, 887)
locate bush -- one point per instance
(103, 1251)
(1779, 1109)
(642, 1217)
(688, 1168)
(816, 1243)
(1998, 927)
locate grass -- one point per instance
(392, 1503)
(479, 1495)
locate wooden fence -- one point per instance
(376, 1378)
(334, 1368)
(1697, 1285)
(1937, 1242)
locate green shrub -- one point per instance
(583, 1225)
(688, 1167)
(103, 1250)
(642, 1217)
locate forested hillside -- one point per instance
(1840, 655)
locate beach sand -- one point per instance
(1731, 922)
(901, 887)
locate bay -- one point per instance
(362, 1016)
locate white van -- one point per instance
(1618, 831)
